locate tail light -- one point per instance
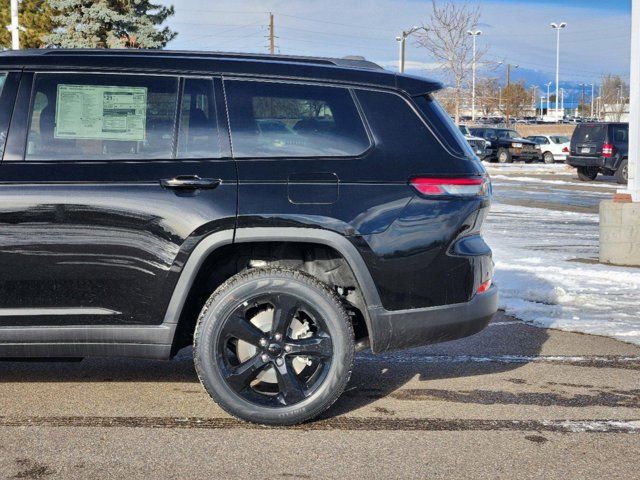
(565, 150)
(465, 186)
(484, 286)
(607, 150)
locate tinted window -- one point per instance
(589, 133)
(508, 134)
(289, 120)
(440, 121)
(102, 117)
(198, 136)
(620, 134)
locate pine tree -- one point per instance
(109, 24)
(33, 15)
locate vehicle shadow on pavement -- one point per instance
(378, 376)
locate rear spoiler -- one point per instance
(416, 86)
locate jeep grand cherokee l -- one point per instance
(278, 213)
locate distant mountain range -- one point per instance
(572, 89)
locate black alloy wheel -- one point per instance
(274, 346)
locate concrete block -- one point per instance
(609, 213)
(620, 233)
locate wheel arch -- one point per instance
(217, 245)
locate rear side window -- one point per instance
(620, 134)
(102, 117)
(589, 134)
(290, 120)
(440, 121)
(198, 136)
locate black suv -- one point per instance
(600, 148)
(507, 145)
(278, 213)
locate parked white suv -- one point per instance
(553, 148)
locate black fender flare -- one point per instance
(328, 238)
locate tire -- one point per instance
(255, 379)
(587, 174)
(622, 174)
(504, 156)
(548, 157)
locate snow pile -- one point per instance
(530, 168)
(513, 178)
(540, 284)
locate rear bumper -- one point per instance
(422, 326)
(575, 161)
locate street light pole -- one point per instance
(402, 40)
(474, 34)
(557, 28)
(548, 96)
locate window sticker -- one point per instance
(98, 112)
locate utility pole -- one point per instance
(548, 96)
(474, 34)
(14, 28)
(582, 101)
(272, 36)
(507, 94)
(591, 101)
(558, 27)
(402, 41)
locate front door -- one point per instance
(107, 182)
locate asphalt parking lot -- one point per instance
(512, 401)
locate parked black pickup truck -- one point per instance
(507, 145)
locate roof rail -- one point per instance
(350, 61)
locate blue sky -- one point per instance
(596, 40)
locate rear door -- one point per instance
(107, 182)
(588, 139)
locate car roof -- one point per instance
(344, 70)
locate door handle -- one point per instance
(193, 182)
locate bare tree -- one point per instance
(488, 95)
(614, 97)
(445, 37)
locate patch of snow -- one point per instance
(539, 283)
(580, 426)
(544, 168)
(413, 358)
(513, 178)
